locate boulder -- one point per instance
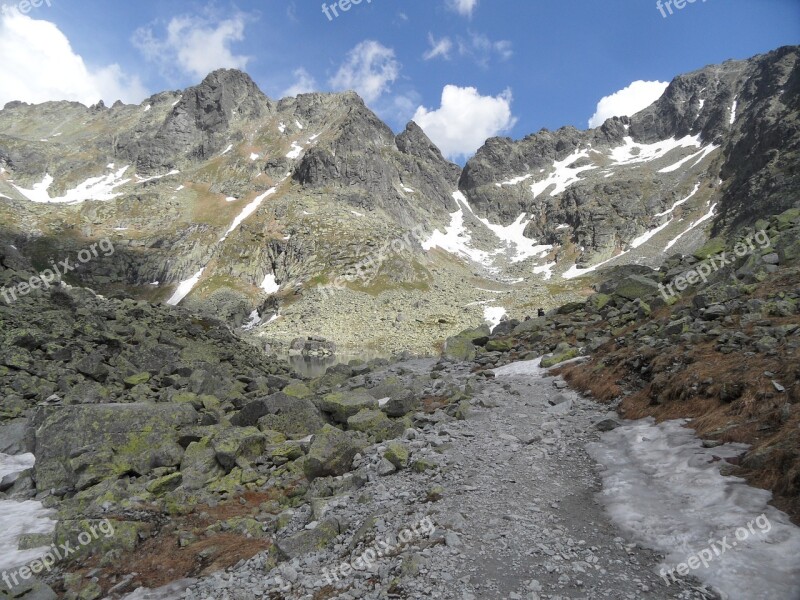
(332, 453)
(376, 424)
(343, 405)
(133, 438)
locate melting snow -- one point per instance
(269, 284)
(493, 315)
(295, 151)
(185, 286)
(733, 111)
(455, 238)
(146, 108)
(154, 177)
(563, 174)
(511, 235)
(282, 127)
(228, 149)
(408, 190)
(247, 211)
(575, 271)
(254, 319)
(623, 155)
(678, 203)
(95, 188)
(702, 219)
(525, 367)
(299, 125)
(665, 490)
(356, 213)
(254, 156)
(547, 269)
(230, 199)
(18, 518)
(514, 181)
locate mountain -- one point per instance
(309, 216)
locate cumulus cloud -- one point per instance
(628, 101)
(370, 69)
(465, 120)
(463, 7)
(39, 64)
(194, 45)
(438, 48)
(303, 83)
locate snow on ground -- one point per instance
(146, 108)
(230, 199)
(510, 235)
(547, 269)
(455, 238)
(18, 518)
(179, 188)
(525, 367)
(95, 188)
(184, 287)
(632, 152)
(664, 489)
(171, 591)
(253, 320)
(269, 284)
(299, 125)
(254, 156)
(563, 174)
(733, 110)
(514, 181)
(247, 211)
(282, 127)
(140, 179)
(228, 149)
(575, 271)
(356, 213)
(694, 224)
(295, 152)
(679, 202)
(649, 234)
(408, 190)
(493, 314)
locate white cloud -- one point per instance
(370, 69)
(465, 120)
(38, 64)
(440, 47)
(481, 49)
(195, 45)
(463, 7)
(303, 83)
(628, 101)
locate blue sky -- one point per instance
(532, 64)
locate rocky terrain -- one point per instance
(229, 202)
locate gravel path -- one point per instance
(509, 511)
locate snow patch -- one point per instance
(146, 108)
(563, 175)
(184, 287)
(694, 224)
(269, 285)
(95, 188)
(493, 315)
(733, 111)
(295, 152)
(455, 238)
(18, 518)
(254, 156)
(228, 149)
(678, 203)
(247, 211)
(632, 152)
(546, 269)
(664, 489)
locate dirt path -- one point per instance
(510, 509)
